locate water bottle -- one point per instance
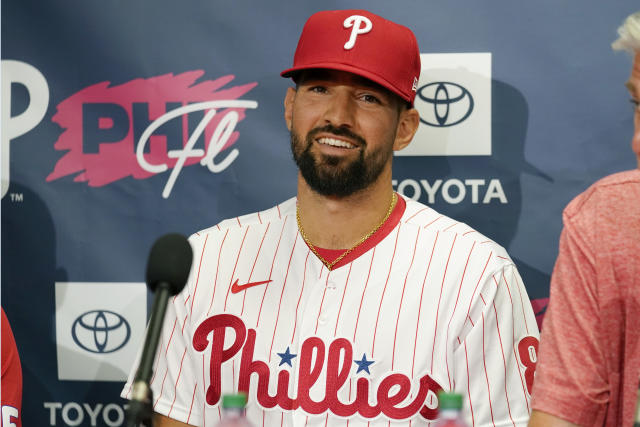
(450, 410)
(233, 412)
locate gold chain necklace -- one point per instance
(329, 265)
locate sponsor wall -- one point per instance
(122, 121)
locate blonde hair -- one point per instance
(629, 35)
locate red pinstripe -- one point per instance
(161, 388)
(415, 214)
(395, 335)
(184, 323)
(335, 331)
(279, 214)
(513, 341)
(433, 222)
(259, 219)
(464, 272)
(322, 302)
(215, 282)
(238, 219)
(355, 329)
(244, 297)
(275, 254)
(284, 285)
(175, 386)
(375, 331)
(304, 278)
(166, 350)
(234, 267)
(468, 232)
(515, 280)
(502, 257)
(415, 341)
(451, 226)
(482, 298)
(199, 267)
(435, 331)
(504, 362)
(478, 284)
(193, 399)
(466, 357)
(218, 225)
(486, 375)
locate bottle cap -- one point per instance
(449, 400)
(238, 400)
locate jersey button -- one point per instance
(331, 285)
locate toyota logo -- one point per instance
(101, 331)
(443, 104)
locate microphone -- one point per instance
(167, 272)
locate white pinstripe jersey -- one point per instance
(433, 305)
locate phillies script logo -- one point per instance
(391, 391)
(147, 126)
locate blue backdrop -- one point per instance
(100, 99)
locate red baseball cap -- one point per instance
(361, 43)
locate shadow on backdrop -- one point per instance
(499, 221)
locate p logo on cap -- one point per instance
(372, 47)
(355, 22)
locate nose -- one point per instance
(340, 109)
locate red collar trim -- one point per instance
(330, 254)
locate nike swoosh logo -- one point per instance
(235, 288)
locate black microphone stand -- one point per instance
(140, 412)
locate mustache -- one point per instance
(337, 131)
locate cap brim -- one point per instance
(350, 69)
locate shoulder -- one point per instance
(611, 196)
(274, 214)
(431, 221)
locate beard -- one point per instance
(335, 175)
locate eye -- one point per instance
(371, 99)
(318, 89)
(635, 102)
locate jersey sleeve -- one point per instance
(176, 381)
(495, 361)
(573, 390)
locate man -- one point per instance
(590, 350)
(348, 304)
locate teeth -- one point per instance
(335, 143)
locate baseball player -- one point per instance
(348, 305)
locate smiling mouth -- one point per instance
(336, 143)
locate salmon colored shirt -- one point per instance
(589, 363)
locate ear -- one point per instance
(289, 98)
(408, 123)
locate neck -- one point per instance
(340, 222)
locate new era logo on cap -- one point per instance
(361, 43)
